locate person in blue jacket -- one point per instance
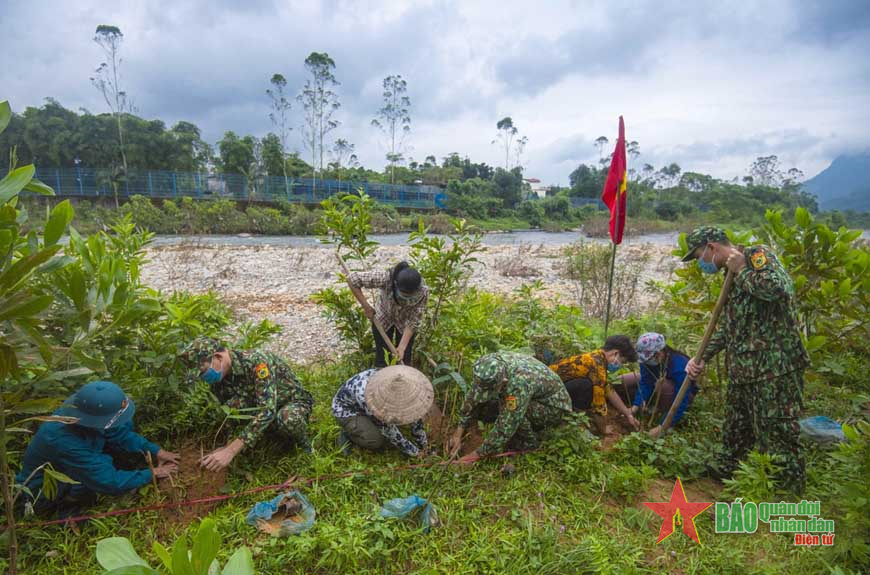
(663, 367)
(83, 450)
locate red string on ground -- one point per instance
(216, 498)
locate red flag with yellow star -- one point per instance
(614, 187)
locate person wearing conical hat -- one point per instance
(253, 380)
(370, 407)
(527, 396)
(100, 423)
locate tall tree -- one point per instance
(600, 142)
(506, 134)
(320, 102)
(765, 171)
(633, 151)
(236, 155)
(273, 155)
(520, 148)
(343, 151)
(280, 108)
(107, 80)
(394, 119)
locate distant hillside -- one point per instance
(843, 185)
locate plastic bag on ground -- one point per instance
(413, 505)
(287, 514)
(822, 429)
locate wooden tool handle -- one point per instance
(711, 327)
(375, 322)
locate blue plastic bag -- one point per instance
(822, 429)
(268, 516)
(406, 506)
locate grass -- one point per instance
(568, 509)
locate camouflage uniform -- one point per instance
(529, 397)
(766, 360)
(260, 380)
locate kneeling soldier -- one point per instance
(252, 380)
(526, 395)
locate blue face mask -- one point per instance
(707, 267)
(611, 367)
(212, 376)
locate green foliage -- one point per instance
(117, 556)
(755, 479)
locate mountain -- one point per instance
(844, 185)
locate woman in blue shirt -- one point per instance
(662, 366)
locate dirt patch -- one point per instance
(439, 432)
(191, 482)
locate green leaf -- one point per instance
(23, 266)
(845, 288)
(27, 308)
(241, 563)
(38, 187)
(206, 543)
(816, 342)
(163, 554)
(117, 552)
(802, 217)
(33, 406)
(15, 181)
(180, 560)
(60, 217)
(61, 477)
(5, 114)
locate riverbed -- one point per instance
(263, 277)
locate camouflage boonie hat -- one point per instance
(199, 350)
(490, 369)
(701, 237)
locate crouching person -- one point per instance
(521, 395)
(82, 450)
(256, 380)
(585, 378)
(370, 407)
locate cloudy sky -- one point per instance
(709, 85)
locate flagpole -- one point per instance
(612, 263)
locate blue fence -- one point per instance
(96, 183)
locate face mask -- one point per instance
(611, 367)
(212, 376)
(707, 267)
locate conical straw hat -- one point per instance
(399, 395)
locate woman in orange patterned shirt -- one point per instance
(585, 378)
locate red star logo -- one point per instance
(678, 511)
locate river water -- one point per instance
(532, 237)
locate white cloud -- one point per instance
(709, 85)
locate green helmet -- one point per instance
(490, 369)
(200, 350)
(701, 237)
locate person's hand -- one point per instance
(164, 456)
(655, 432)
(635, 409)
(400, 351)
(455, 442)
(635, 424)
(695, 369)
(468, 459)
(369, 311)
(218, 459)
(163, 471)
(736, 261)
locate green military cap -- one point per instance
(701, 237)
(200, 350)
(490, 369)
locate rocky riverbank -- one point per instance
(276, 282)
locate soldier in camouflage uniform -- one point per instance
(765, 357)
(520, 394)
(252, 380)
